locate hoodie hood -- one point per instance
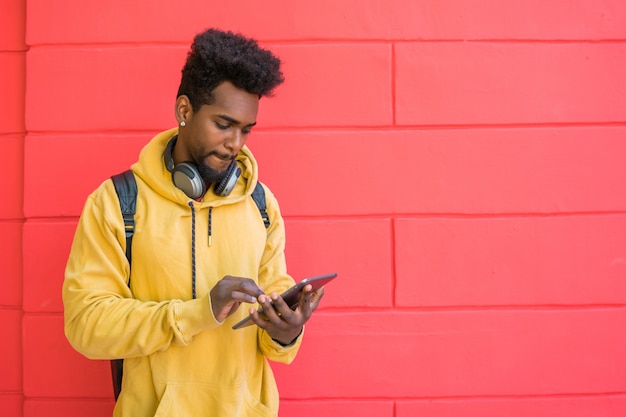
(151, 168)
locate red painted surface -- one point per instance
(12, 130)
(503, 83)
(459, 163)
(11, 264)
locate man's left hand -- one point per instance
(282, 323)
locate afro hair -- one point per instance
(217, 56)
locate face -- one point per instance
(214, 133)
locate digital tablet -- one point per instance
(292, 295)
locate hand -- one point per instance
(228, 294)
(282, 323)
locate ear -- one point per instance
(183, 109)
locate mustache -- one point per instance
(223, 156)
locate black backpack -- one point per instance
(126, 189)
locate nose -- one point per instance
(236, 140)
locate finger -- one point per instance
(229, 287)
(249, 286)
(304, 304)
(281, 308)
(266, 317)
(258, 318)
(316, 297)
(243, 297)
(311, 301)
(268, 304)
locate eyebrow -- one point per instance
(233, 121)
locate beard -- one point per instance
(210, 175)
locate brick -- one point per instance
(79, 162)
(336, 408)
(504, 83)
(119, 21)
(322, 87)
(543, 170)
(12, 176)
(53, 369)
(68, 408)
(534, 19)
(12, 99)
(511, 261)
(405, 354)
(11, 405)
(101, 76)
(11, 263)
(10, 350)
(12, 27)
(602, 405)
(111, 80)
(359, 251)
(46, 248)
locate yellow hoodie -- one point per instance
(178, 360)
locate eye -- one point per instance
(246, 130)
(222, 126)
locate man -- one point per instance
(200, 250)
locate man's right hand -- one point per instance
(228, 294)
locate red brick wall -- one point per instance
(459, 163)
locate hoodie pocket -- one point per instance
(184, 400)
(165, 405)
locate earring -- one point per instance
(183, 124)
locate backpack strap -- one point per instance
(258, 195)
(126, 189)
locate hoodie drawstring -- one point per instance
(193, 244)
(193, 250)
(210, 241)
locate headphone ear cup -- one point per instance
(186, 177)
(227, 185)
